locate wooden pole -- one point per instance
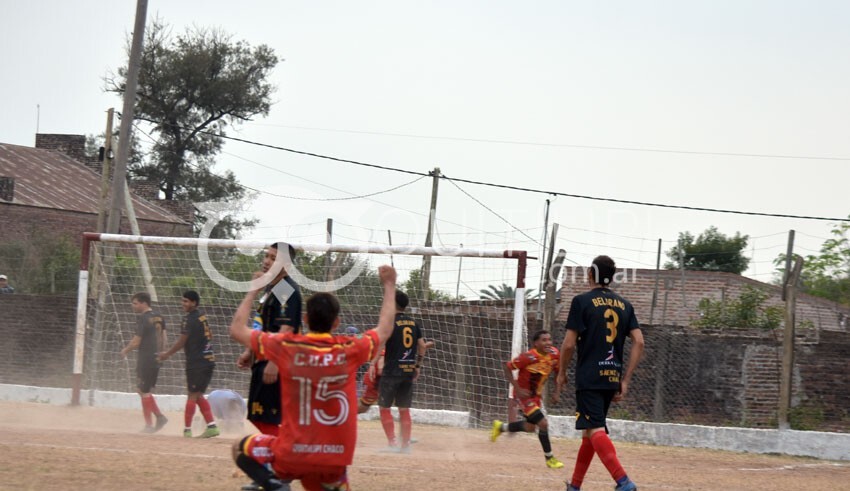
(657, 278)
(789, 253)
(429, 238)
(786, 383)
(120, 177)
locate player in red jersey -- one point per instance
(318, 430)
(534, 367)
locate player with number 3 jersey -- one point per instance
(318, 380)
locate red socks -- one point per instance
(189, 413)
(387, 423)
(607, 454)
(206, 411)
(146, 410)
(406, 426)
(583, 459)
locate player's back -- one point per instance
(318, 393)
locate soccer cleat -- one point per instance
(161, 420)
(277, 485)
(187, 433)
(252, 487)
(405, 450)
(390, 449)
(148, 429)
(210, 432)
(626, 486)
(496, 430)
(554, 463)
(570, 487)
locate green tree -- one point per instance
(413, 288)
(191, 87)
(504, 291)
(745, 312)
(710, 251)
(826, 274)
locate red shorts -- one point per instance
(530, 405)
(370, 392)
(260, 447)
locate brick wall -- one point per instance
(21, 221)
(696, 376)
(638, 285)
(38, 339)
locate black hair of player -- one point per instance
(539, 334)
(142, 297)
(401, 300)
(603, 270)
(322, 311)
(291, 249)
(193, 296)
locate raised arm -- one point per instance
(239, 330)
(386, 320)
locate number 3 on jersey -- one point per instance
(612, 321)
(306, 413)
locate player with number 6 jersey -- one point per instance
(318, 380)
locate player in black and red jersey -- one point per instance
(280, 311)
(196, 341)
(318, 370)
(597, 327)
(403, 356)
(534, 367)
(150, 340)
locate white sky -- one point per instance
(756, 77)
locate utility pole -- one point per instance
(120, 175)
(429, 238)
(329, 234)
(789, 252)
(786, 383)
(390, 242)
(106, 165)
(655, 292)
(543, 267)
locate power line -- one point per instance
(564, 145)
(532, 190)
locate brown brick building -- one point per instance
(54, 188)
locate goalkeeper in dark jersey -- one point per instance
(597, 327)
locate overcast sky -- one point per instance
(502, 92)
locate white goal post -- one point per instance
(474, 337)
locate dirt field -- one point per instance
(51, 447)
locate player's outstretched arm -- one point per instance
(239, 330)
(386, 320)
(178, 345)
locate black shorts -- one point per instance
(395, 391)
(198, 379)
(592, 408)
(147, 373)
(263, 399)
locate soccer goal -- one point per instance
(462, 374)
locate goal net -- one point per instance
(462, 372)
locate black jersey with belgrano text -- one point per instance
(400, 356)
(603, 320)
